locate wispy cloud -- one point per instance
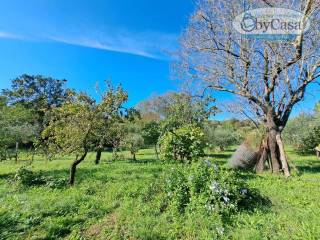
(6, 35)
(149, 44)
(154, 45)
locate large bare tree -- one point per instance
(273, 76)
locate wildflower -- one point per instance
(220, 230)
(191, 177)
(226, 199)
(216, 167)
(208, 163)
(244, 191)
(215, 187)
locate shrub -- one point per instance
(303, 132)
(56, 183)
(185, 143)
(208, 188)
(27, 178)
(197, 197)
(308, 141)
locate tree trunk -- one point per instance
(73, 168)
(261, 162)
(283, 158)
(115, 153)
(274, 152)
(133, 156)
(17, 152)
(275, 148)
(33, 154)
(98, 156)
(156, 151)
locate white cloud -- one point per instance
(149, 44)
(6, 35)
(154, 45)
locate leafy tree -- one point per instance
(270, 76)
(151, 133)
(177, 109)
(133, 140)
(37, 92)
(76, 126)
(17, 125)
(184, 143)
(221, 136)
(303, 133)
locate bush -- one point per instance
(185, 143)
(27, 178)
(308, 141)
(207, 188)
(303, 133)
(199, 201)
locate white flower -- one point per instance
(215, 187)
(244, 191)
(226, 199)
(208, 163)
(220, 230)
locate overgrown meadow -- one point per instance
(136, 200)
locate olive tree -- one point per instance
(221, 136)
(81, 124)
(272, 76)
(151, 133)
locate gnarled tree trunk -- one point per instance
(73, 167)
(264, 155)
(274, 150)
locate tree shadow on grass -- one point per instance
(7, 176)
(308, 166)
(224, 156)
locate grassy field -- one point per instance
(106, 202)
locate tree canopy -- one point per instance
(272, 76)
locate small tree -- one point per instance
(185, 143)
(133, 140)
(75, 126)
(151, 133)
(221, 136)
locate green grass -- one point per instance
(106, 202)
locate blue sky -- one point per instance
(89, 41)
